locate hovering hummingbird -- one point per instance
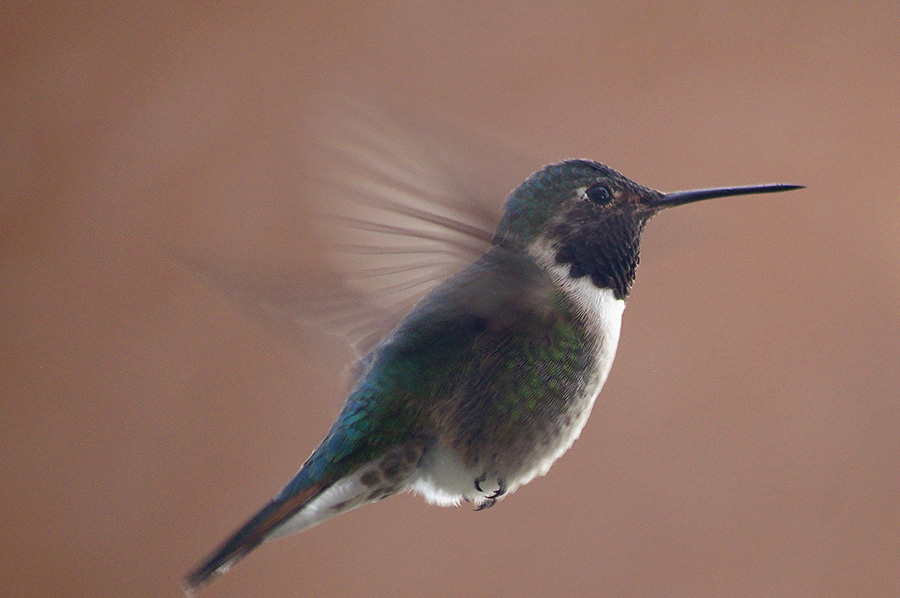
(492, 375)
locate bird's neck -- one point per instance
(600, 305)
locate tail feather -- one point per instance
(251, 535)
(323, 488)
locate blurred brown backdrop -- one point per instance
(746, 444)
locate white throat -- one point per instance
(602, 309)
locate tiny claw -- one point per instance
(489, 501)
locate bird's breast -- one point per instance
(601, 313)
(529, 415)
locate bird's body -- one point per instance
(492, 376)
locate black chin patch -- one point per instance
(611, 263)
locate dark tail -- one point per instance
(250, 535)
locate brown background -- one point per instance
(747, 442)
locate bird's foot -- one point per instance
(491, 499)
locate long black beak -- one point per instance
(679, 198)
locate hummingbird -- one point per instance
(491, 377)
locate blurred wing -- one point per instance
(399, 207)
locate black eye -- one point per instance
(599, 194)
